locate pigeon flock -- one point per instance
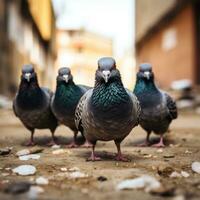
(106, 112)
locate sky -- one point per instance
(111, 18)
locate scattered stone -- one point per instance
(25, 170)
(42, 181)
(147, 182)
(160, 150)
(18, 187)
(196, 167)
(165, 171)
(29, 157)
(174, 145)
(168, 156)
(188, 152)
(34, 192)
(33, 150)
(73, 175)
(5, 151)
(23, 152)
(55, 146)
(175, 175)
(77, 174)
(74, 169)
(185, 174)
(102, 178)
(179, 175)
(61, 151)
(147, 156)
(63, 169)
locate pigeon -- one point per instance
(65, 100)
(32, 104)
(158, 109)
(108, 111)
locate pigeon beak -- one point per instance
(147, 75)
(66, 78)
(106, 75)
(27, 76)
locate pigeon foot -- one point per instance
(72, 145)
(30, 143)
(122, 158)
(86, 144)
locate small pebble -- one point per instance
(175, 175)
(25, 170)
(185, 174)
(102, 178)
(23, 152)
(160, 150)
(196, 167)
(29, 157)
(55, 146)
(42, 181)
(5, 151)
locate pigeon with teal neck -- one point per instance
(32, 104)
(158, 109)
(65, 100)
(109, 111)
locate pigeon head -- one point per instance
(64, 75)
(145, 72)
(107, 70)
(28, 73)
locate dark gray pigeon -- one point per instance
(32, 104)
(158, 108)
(109, 111)
(65, 100)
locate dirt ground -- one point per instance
(183, 148)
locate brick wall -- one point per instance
(171, 50)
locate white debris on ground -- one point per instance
(25, 170)
(185, 174)
(61, 151)
(24, 152)
(34, 192)
(29, 157)
(147, 182)
(42, 181)
(72, 173)
(179, 175)
(55, 146)
(196, 167)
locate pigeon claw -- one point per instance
(72, 145)
(30, 143)
(122, 158)
(144, 144)
(86, 144)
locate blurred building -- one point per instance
(27, 36)
(168, 36)
(80, 49)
